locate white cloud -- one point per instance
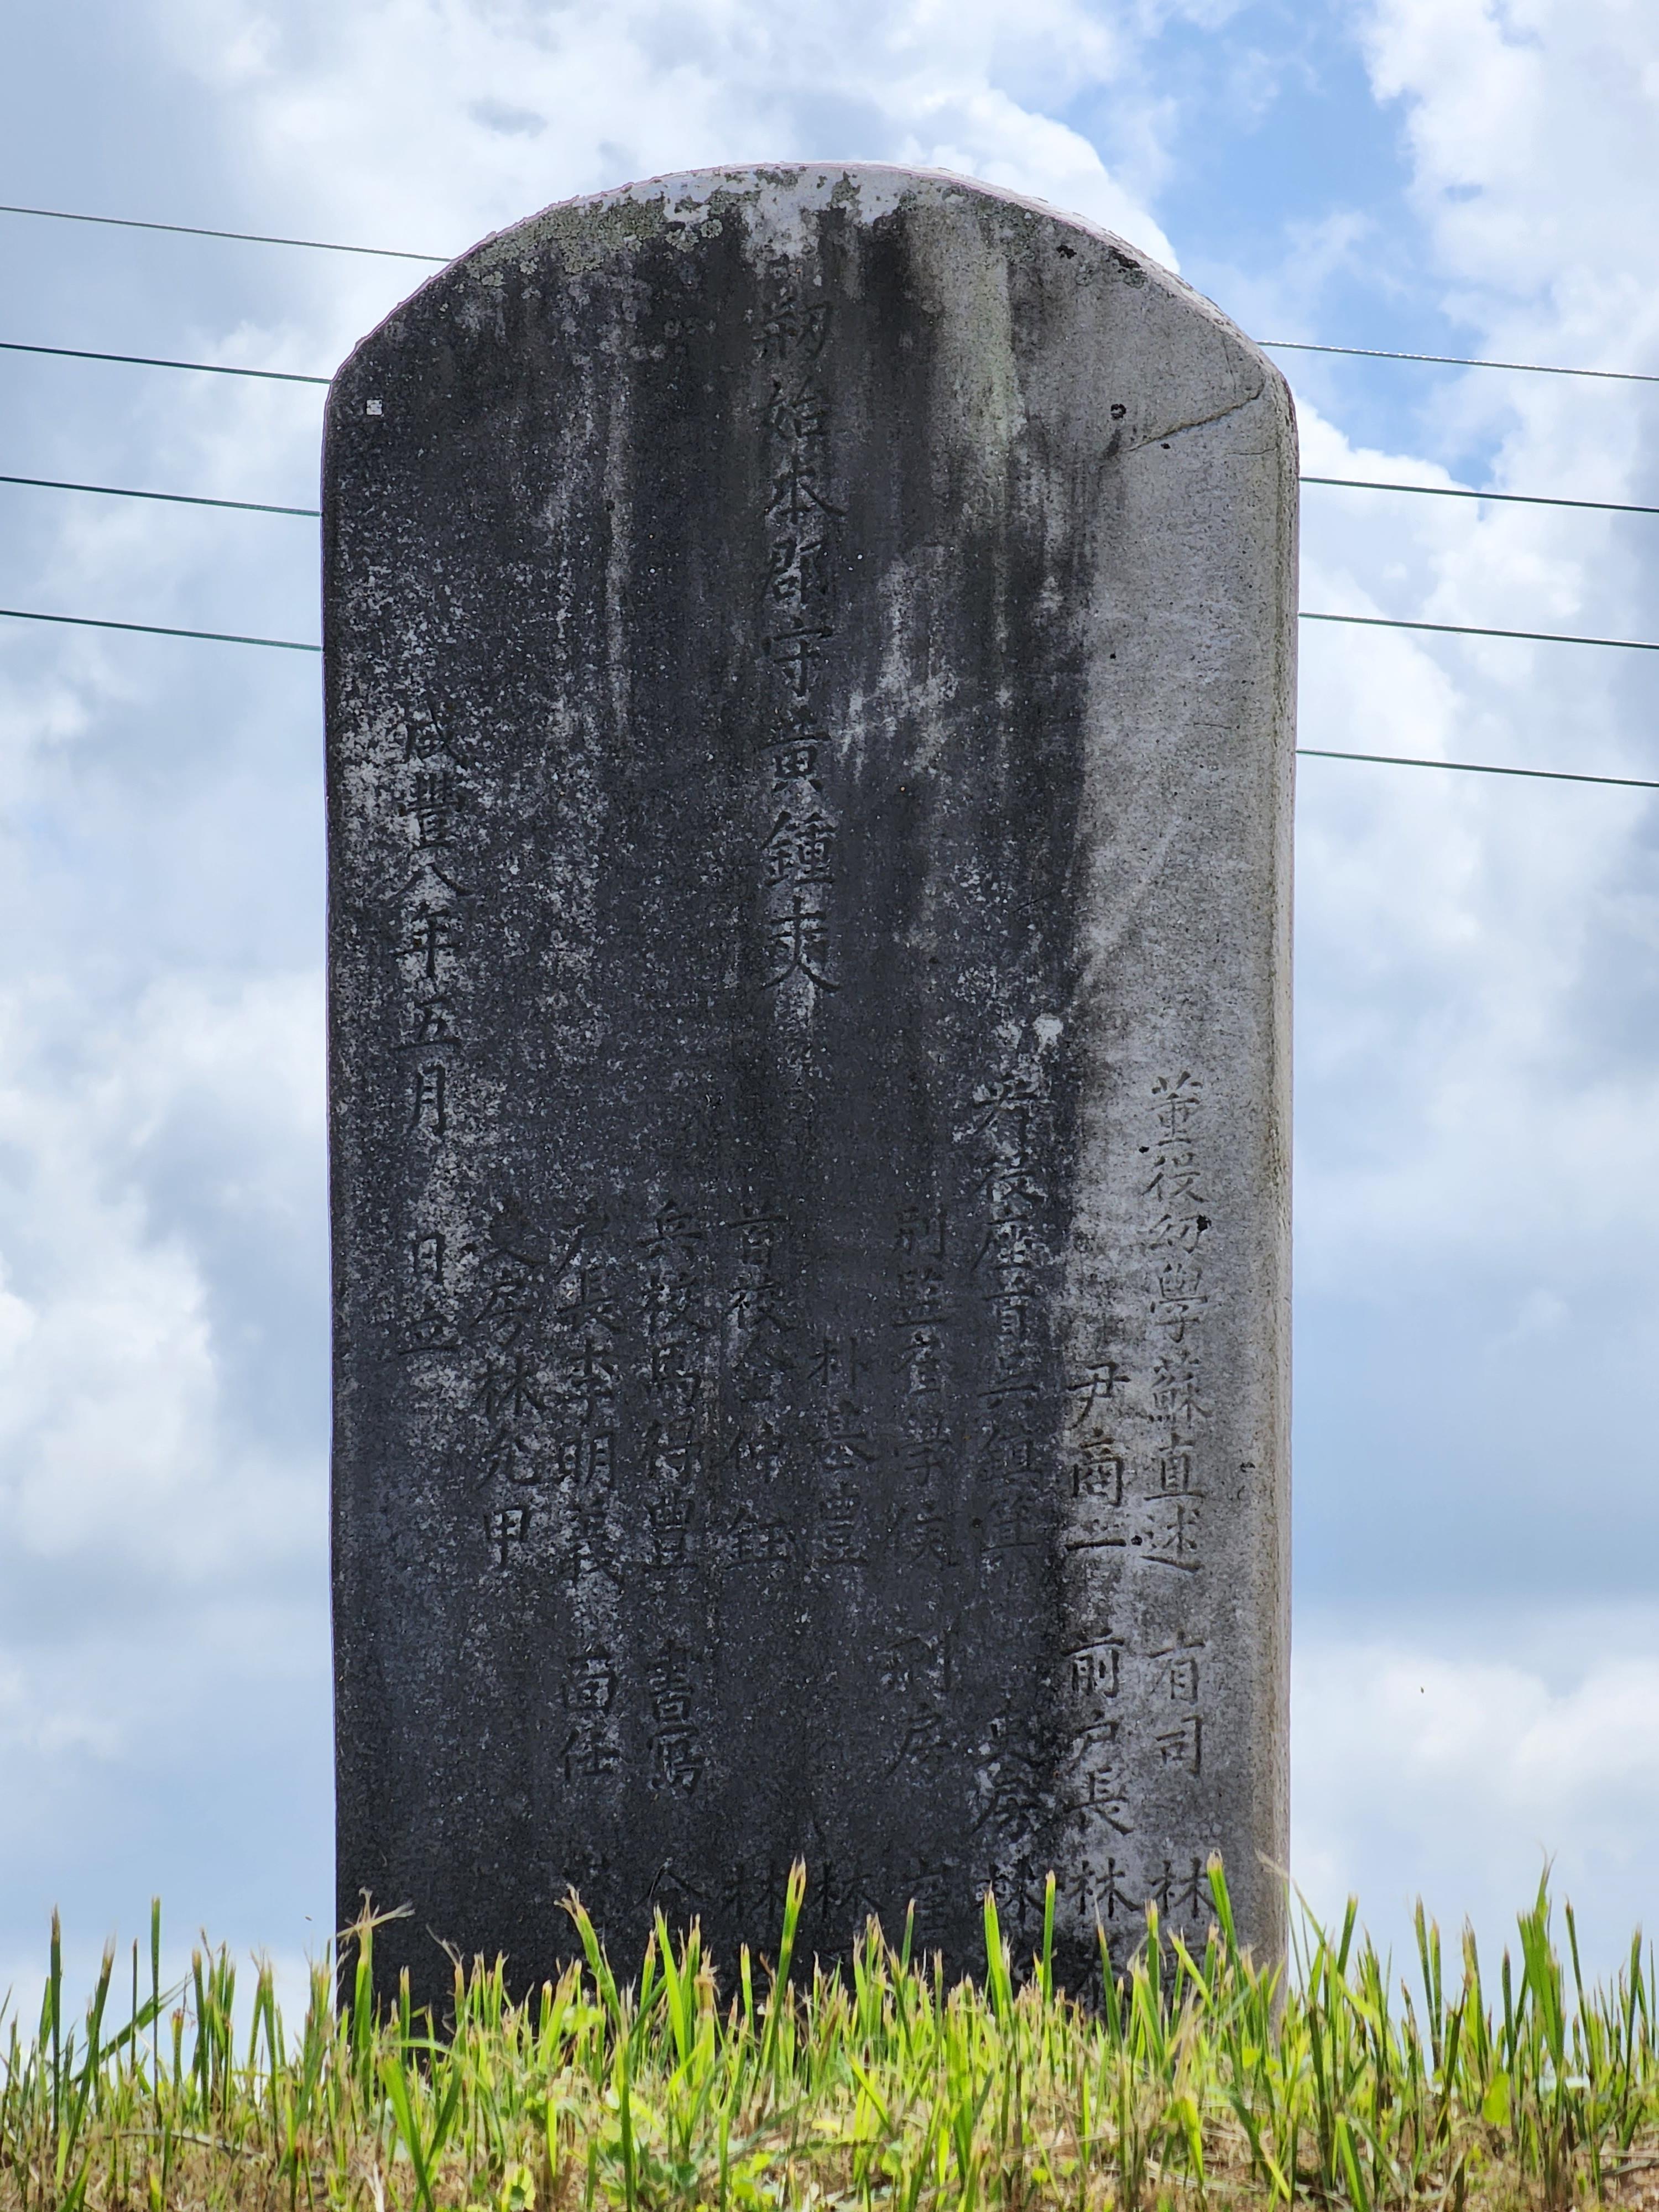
(1455, 1763)
(1478, 1067)
(348, 107)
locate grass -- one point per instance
(1190, 2080)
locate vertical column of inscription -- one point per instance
(1139, 1566)
(428, 786)
(1009, 1133)
(670, 1376)
(796, 860)
(797, 874)
(918, 1666)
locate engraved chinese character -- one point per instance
(509, 1301)
(1014, 1525)
(1183, 1745)
(588, 1462)
(428, 1108)
(794, 328)
(1177, 1392)
(435, 799)
(591, 1386)
(433, 933)
(676, 1755)
(797, 570)
(758, 1227)
(506, 1529)
(1098, 1471)
(798, 850)
(755, 1542)
(672, 1236)
(795, 760)
(799, 944)
(673, 1372)
(590, 1681)
(846, 1443)
(1173, 1540)
(425, 738)
(1110, 1894)
(795, 651)
(927, 1535)
(1180, 1671)
(669, 1521)
(434, 1022)
(508, 1457)
(1103, 1380)
(928, 1456)
(583, 1302)
(668, 1303)
(590, 1750)
(920, 1298)
(837, 1364)
(1176, 1475)
(674, 1452)
(1180, 1231)
(758, 1305)
(921, 1231)
(1178, 1099)
(1014, 1455)
(1095, 1671)
(800, 412)
(1179, 1891)
(840, 1540)
(506, 1389)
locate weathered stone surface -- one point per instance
(810, 663)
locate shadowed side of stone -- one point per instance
(810, 662)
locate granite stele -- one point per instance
(810, 691)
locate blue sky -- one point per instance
(1477, 1518)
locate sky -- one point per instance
(1476, 1537)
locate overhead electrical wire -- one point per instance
(1303, 752)
(1344, 484)
(288, 376)
(1457, 360)
(150, 361)
(158, 629)
(1457, 491)
(243, 237)
(1476, 629)
(1481, 768)
(173, 498)
(1304, 614)
(442, 260)
(1284, 345)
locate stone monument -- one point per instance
(810, 663)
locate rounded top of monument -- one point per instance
(783, 206)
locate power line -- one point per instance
(1368, 622)
(1473, 629)
(1310, 752)
(1457, 491)
(1456, 361)
(1480, 768)
(148, 361)
(1341, 483)
(174, 498)
(244, 237)
(158, 629)
(442, 260)
(1374, 353)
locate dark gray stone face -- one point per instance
(810, 660)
